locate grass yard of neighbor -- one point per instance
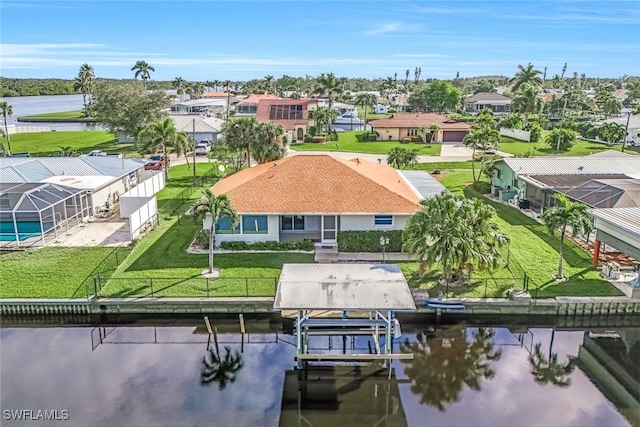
(75, 114)
(42, 144)
(347, 141)
(581, 148)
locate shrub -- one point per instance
(369, 241)
(436, 172)
(482, 187)
(271, 245)
(315, 139)
(202, 239)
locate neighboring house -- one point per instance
(407, 125)
(316, 196)
(42, 196)
(608, 179)
(292, 114)
(491, 100)
(249, 105)
(209, 106)
(381, 109)
(206, 128)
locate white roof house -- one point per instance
(588, 165)
(620, 228)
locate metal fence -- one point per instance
(104, 270)
(197, 286)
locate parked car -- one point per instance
(163, 159)
(96, 153)
(153, 165)
(203, 149)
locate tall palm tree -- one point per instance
(80, 85)
(366, 100)
(217, 208)
(84, 83)
(220, 370)
(456, 233)
(6, 110)
(528, 75)
(158, 137)
(569, 214)
(178, 83)
(547, 370)
(323, 117)
(330, 85)
(527, 101)
(482, 138)
(227, 88)
(434, 128)
(238, 136)
(143, 70)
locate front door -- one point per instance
(329, 228)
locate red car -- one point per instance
(153, 165)
(162, 159)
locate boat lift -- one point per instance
(344, 299)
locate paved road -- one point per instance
(449, 153)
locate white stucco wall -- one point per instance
(366, 222)
(273, 232)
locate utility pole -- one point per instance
(194, 149)
(561, 124)
(626, 130)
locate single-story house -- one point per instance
(494, 101)
(249, 105)
(316, 196)
(41, 195)
(537, 179)
(292, 114)
(206, 128)
(618, 228)
(406, 125)
(211, 106)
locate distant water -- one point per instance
(29, 105)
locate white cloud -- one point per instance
(389, 28)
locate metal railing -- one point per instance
(196, 286)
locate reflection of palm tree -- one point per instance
(440, 368)
(221, 370)
(547, 370)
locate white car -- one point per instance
(202, 149)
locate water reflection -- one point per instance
(146, 375)
(442, 366)
(548, 370)
(220, 370)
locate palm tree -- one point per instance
(442, 366)
(6, 110)
(569, 214)
(527, 101)
(527, 75)
(402, 157)
(612, 132)
(323, 117)
(84, 82)
(483, 138)
(330, 85)
(227, 88)
(143, 70)
(238, 136)
(269, 143)
(221, 370)
(434, 128)
(366, 100)
(159, 136)
(178, 83)
(215, 208)
(547, 370)
(456, 233)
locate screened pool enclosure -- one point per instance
(34, 214)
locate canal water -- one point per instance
(152, 374)
(29, 105)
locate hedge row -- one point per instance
(271, 245)
(369, 241)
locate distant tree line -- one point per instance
(32, 87)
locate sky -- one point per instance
(242, 40)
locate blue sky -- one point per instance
(240, 40)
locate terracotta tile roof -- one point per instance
(548, 97)
(262, 113)
(414, 120)
(309, 184)
(255, 98)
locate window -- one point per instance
(223, 226)
(285, 112)
(292, 222)
(255, 224)
(412, 132)
(383, 220)
(499, 173)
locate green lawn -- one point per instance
(161, 261)
(347, 141)
(532, 246)
(582, 148)
(76, 114)
(41, 144)
(52, 272)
